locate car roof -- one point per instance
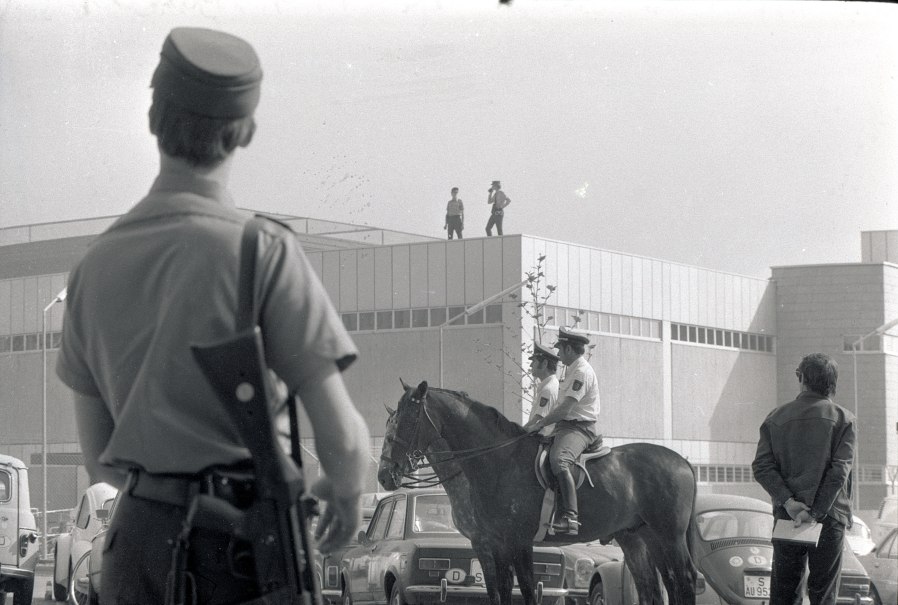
(10, 461)
(706, 502)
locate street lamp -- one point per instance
(59, 298)
(470, 311)
(854, 349)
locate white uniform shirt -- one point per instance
(546, 400)
(580, 382)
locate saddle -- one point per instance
(547, 480)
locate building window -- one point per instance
(438, 316)
(350, 321)
(5, 343)
(18, 342)
(384, 320)
(494, 314)
(402, 319)
(475, 318)
(456, 312)
(366, 321)
(419, 318)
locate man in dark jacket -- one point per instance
(804, 461)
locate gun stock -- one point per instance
(275, 522)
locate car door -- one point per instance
(9, 517)
(384, 552)
(360, 565)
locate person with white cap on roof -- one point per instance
(499, 201)
(575, 418)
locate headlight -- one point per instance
(546, 569)
(583, 570)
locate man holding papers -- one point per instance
(804, 459)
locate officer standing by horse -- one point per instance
(575, 418)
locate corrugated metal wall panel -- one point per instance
(436, 275)
(418, 267)
(349, 280)
(383, 280)
(365, 281)
(474, 267)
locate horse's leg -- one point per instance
(490, 577)
(523, 568)
(638, 559)
(504, 576)
(671, 555)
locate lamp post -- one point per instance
(470, 311)
(59, 298)
(854, 349)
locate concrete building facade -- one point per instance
(686, 357)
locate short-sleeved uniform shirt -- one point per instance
(580, 382)
(546, 399)
(163, 277)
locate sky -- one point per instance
(729, 135)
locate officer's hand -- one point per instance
(532, 427)
(444, 226)
(341, 518)
(794, 507)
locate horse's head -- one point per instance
(409, 432)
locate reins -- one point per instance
(416, 458)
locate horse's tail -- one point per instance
(691, 525)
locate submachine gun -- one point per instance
(275, 522)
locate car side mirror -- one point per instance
(102, 514)
(362, 538)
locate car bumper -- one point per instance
(8, 571)
(428, 593)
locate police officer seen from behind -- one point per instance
(804, 458)
(543, 367)
(575, 418)
(163, 277)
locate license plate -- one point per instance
(756, 587)
(477, 573)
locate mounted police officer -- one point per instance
(543, 367)
(575, 418)
(165, 276)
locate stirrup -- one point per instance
(568, 525)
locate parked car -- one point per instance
(882, 566)
(92, 512)
(18, 533)
(88, 588)
(581, 568)
(732, 550)
(886, 518)
(412, 552)
(859, 537)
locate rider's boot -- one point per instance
(568, 524)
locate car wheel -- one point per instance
(60, 592)
(396, 595)
(347, 597)
(23, 592)
(597, 595)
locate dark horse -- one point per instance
(643, 495)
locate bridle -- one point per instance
(416, 458)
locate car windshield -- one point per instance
(433, 514)
(720, 524)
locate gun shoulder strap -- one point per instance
(246, 282)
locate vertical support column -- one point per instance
(666, 381)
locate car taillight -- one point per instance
(700, 585)
(333, 576)
(433, 564)
(24, 541)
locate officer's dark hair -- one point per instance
(578, 347)
(551, 364)
(199, 140)
(820, 372)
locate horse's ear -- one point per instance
(389, 411)
(422, 389)
(405, 387)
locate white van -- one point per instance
(18, 533)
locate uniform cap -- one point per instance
(208, 72)
(541, 352)
(566, 336)
(496, 183)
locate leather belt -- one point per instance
(236, 487)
